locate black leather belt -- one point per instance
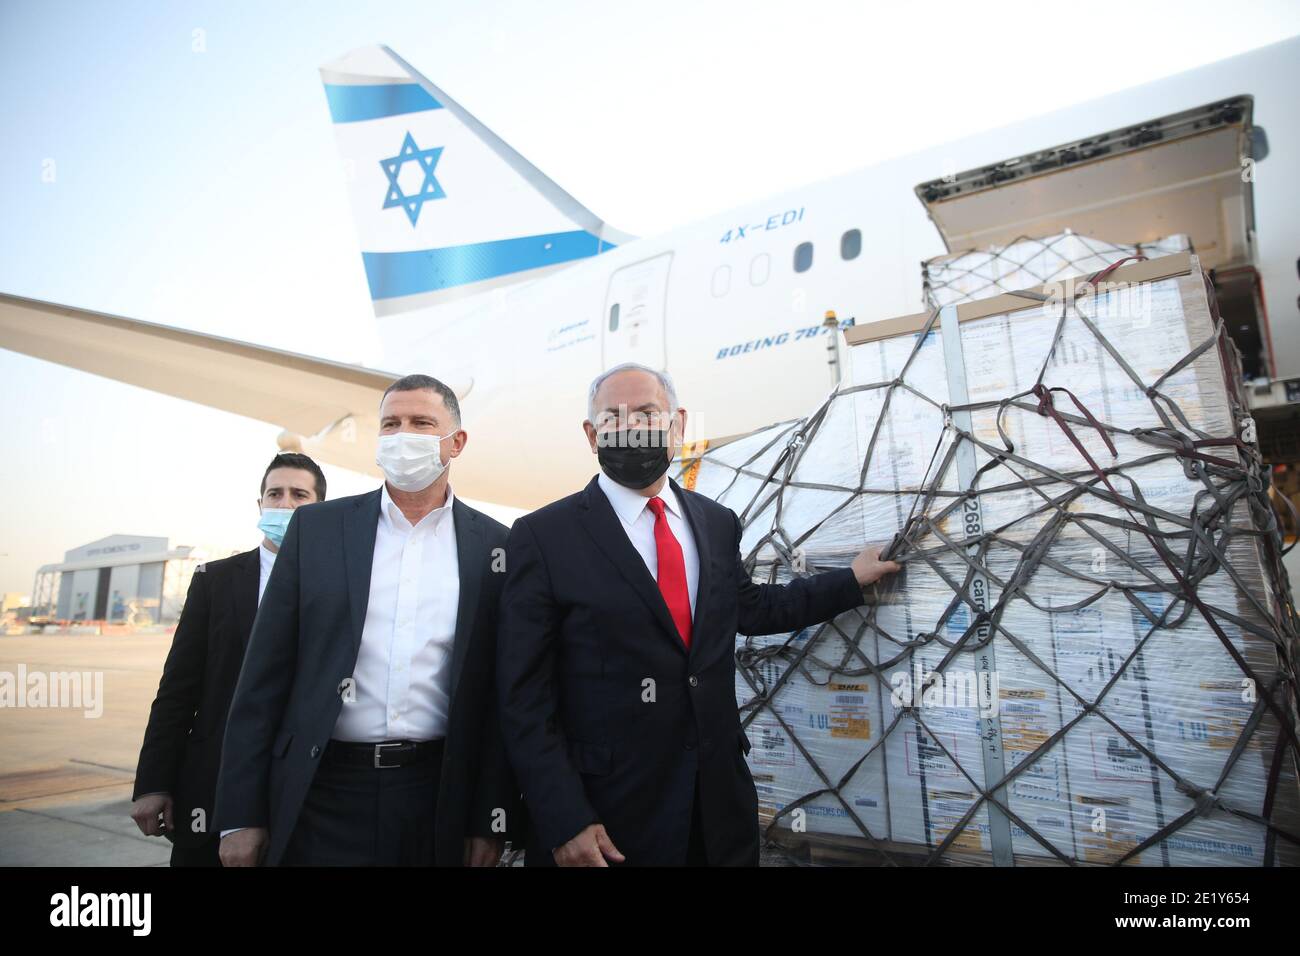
(384, 756)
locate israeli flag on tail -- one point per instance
(444, 207)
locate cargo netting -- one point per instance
(1089, 655)
(1028, 262)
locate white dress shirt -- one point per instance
(403, 669)
(268, 562)
(638, 521)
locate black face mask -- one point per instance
(634, 458)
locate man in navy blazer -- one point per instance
(615, 660)
(363, 728)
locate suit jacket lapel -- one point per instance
(246, 580)
(695, 518)
(360, 526)
(607, 531)
(471, 561)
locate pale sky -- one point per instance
(196, 180)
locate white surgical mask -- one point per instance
(411, 461)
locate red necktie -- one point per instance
(672, 572)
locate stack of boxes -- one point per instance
(1104, 701)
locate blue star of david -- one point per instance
(427, 158)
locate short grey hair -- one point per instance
(664, 379)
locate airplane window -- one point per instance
(759, 269)
(613, 317)
(721, 281)
(851, 244)
(803, 257)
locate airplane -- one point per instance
(488, 275)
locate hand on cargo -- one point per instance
(591, 847)
(868, 568)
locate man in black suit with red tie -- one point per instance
(176, 780)
(615, 652)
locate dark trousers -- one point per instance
(696, 855)
(205, 854)
(364, 816)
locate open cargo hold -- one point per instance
(1102, 562)
(1188, 175)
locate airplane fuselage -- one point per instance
(734, 306)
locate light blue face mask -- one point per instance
(273, 523)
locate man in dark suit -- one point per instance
(615, 659)
(364, 728)
(176, 780)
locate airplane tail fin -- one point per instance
(444, 207)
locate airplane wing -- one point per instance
(329, 410)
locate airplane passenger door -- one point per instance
(634, 327)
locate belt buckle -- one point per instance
(378, 753)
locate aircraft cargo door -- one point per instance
(634, 326)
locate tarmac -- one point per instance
(66, 774)
(65, 777)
